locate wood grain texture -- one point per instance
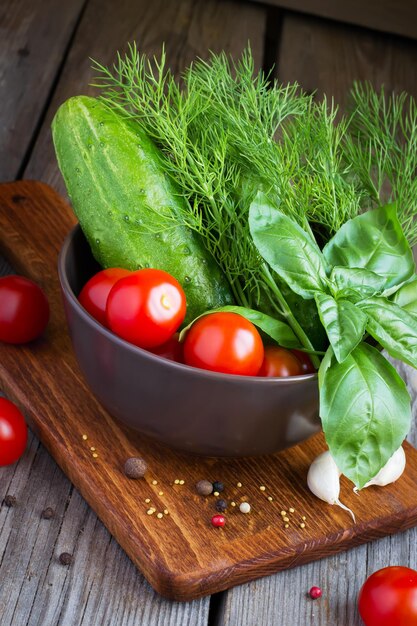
(189, 29)
(328, 57)
(390, 16)
(182, 555)
(34, 35)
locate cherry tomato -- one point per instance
(279, 362)
(24, 310)
(171, 349)
(389, 598)
(13, 432)
(306, 365)
(146, 307)
(94, 294)
(224, 342)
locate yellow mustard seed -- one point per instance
(176, 481)
(154, 482)
(233, 504)
(262, 487)
(286, 519)
(85, 437)
(238, 484)
(291, 510)
(161, 493)
(160, 515)
(304, 518)
(92, 449)
(270, 498)
(166, 511)
(286, 526)
(147, 500)
(283, 513)
(302, 525)
(216, 493)
(95, 455)
(150, 511)
(182, 482)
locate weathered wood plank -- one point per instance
(328, 57)
(188, 28)
(34, 35)
(391, 16)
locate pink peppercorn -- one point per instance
(218, 520)
(315, 592)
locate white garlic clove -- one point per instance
(391, 471)
(323, 480)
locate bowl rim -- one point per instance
(187, 369)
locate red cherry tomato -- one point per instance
(94, 294)
(13, 432)
(279, 362)
(146, 307)
(389, 598)
(224, 342)
(24, 310)
(306, 365)
(171, 349)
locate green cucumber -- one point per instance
(128, 208)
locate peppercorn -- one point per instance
(315, 592)
(47, 513)
(221, 506)
(135, 467)
(65, 558)
(218, 520)
(204, 487)
(9, 500)
(218, 486)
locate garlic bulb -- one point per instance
(391, 471)
(323, 480)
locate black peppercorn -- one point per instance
(218, 486)
(221, 505)
(9, 500)
(47, 513)
(65, 558)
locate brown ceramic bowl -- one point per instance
(184, 407)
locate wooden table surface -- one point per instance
(45, 47)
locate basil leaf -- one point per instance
(277, 330)
(406, 296)
(287, 248)
(393, 327)
(374, 241)
(365, 411)
(355, 284)
(344, 323)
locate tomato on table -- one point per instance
(146, 307)
(94, 294)
(24, 310)
(280, 362)
(13, 432)
(224, 342)
(389, 598)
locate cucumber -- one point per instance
(128, 208)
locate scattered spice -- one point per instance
(233, 503)
(160, 515)
(283, 513)
(286, 519)
(166, 512)
(85, 437)
(135, 467)
(291, 510)
(154, 482)
(218, 486)
(270, 498)
(286, 526)
(302, 525)
(48, 513)
(9, 500)
(216, 493)
(221, 506)
(65, 558)
(262, 487)
(92, 449)
(304, 518)
(161, 493)
(244, 507)
(238, 484)
(176, 481)
(218, 521)
(147, 501)
(150, 511)
(204, 487)
(182, 482)
(95, 455)
(315, 592)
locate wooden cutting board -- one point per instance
(181, 554)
